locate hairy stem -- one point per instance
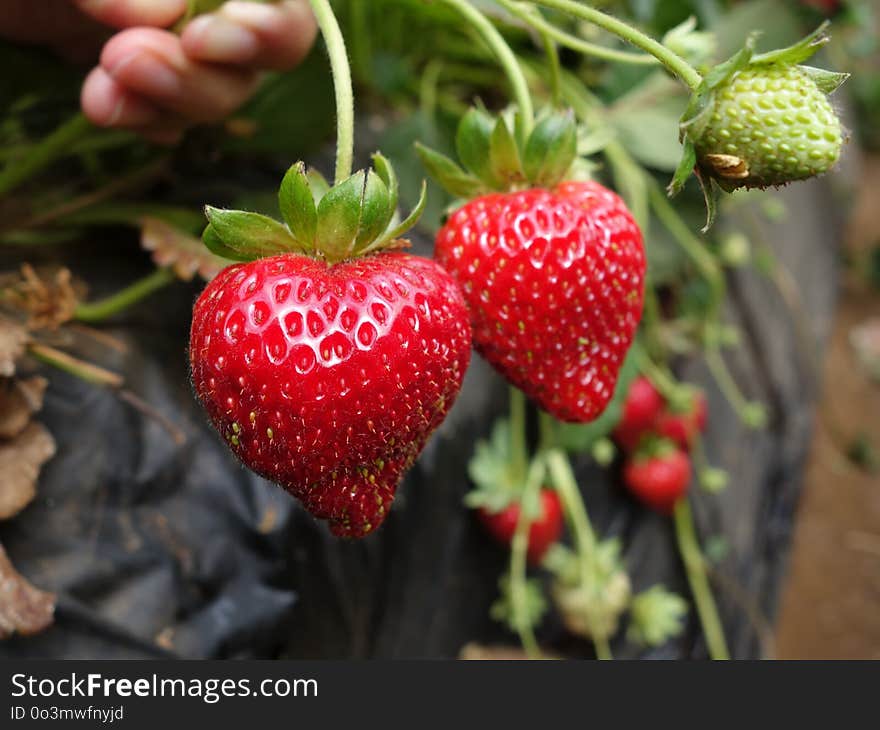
(104, 308)
(548, 30)
(695, 566)
(672, 61)
(506, 58)
(44, 153)
(341, 69)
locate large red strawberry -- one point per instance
(553, 275)
(554, 281)
(641, 407)
(544, 530)
(659, 476)
(327, 373)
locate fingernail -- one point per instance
(254, 15)
(219, 39)
(146, 73)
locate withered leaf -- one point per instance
(13, 338)
(48, 298)
(24, 609)
(172, 248)
(20, 463)
(19, 400)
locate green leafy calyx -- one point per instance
(353, 218)
(495, 159)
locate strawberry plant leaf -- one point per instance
(472, 144)
(298, 207)
(318, 184)
(798, 52)
(449, 175)
(339, 216)
(504, 155)
(551, 149)
(409, 221)
(176, 249)
(215, 245)
(657, 615)
(250, 234)
(385, 171)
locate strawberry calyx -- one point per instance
(651, 446)
(353, 218)
(718, 168)
(496, 156)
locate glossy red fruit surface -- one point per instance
(659, 480)
(554, 281)
(641, 408)
(543, 532)
(684, 427)
(329, 379)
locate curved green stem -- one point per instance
(74, 366)
(44, 153)
(548, 30)
(506, 58)
(585, 537)
(518, 446)
(107, 307)
(341, 69)
(695, 567)
(672, 61)
(518, 551)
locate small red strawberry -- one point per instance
(683, 426)
(327, 373)
(544, 530)
(659, 476)
(553, 275)
(640, 410)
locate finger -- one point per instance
(130, 13)
(108, 104)
(276, 36)
(151, 63)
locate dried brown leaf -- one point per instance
(172, 248)
(13, 338)
(47, 298)
(20, 463)
(24, 609)
(19, 400)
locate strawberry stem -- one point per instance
(518, 447)
(342, 85)
(74, 366)
(695, 566)
(671, 60)
(518, 550)
(506, 58)
(534, 19)
(576, 513)
(50, 148)
(102, 309)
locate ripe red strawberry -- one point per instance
(544, 530)
(554, 280)
(329, 379)
(683, 426)
(641, 407)
(327, 359)
(659, 477)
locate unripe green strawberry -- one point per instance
(768, 125)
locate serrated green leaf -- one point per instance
(504, 155)
(339, 217)
(827, 81)
(449, 175)
(298, 206)
(535, 604)
(385, 170)
(215, 245)
(472, 143)
(551, 149)
(657, 616)
(251, 234)
(376, 211)
(685, 168)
